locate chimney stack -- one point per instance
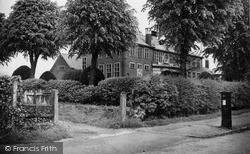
(148, 36)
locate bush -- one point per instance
(109, 90)
(23, 71)
(72, 75)
(240, 93)
(85, 76)
(7, 111)
(48, 76)
(33, 84)
(64, 86)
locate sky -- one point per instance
(46, 65)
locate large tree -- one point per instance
(233, 54)
(30, 29)
(98, 27)
(4, 55)
(182, 23)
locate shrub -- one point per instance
(7, 111)
(63, 86)
(72, 75)
(48, 76)
(86, 75)
(33, 84)
(109, 90)
(23, 71)
(240, 93)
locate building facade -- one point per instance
(148, 57)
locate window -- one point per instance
(194, 74)
(117, 69)
(160, 57)
(101, 67)
(100, 56)
(146, 54)
(140, 52)
(207, 63)
(193, 64)
(198, 74)
(61, 68)
(198, 63)
(146, 67)
(132, 52)
(132, 65)
(156, 56)
(139, 66)
(84, 63)
(109, 70)
(189, 74)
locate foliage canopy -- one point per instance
(30, 29)
(97, 27)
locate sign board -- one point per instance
(224, 102)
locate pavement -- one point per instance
(203, 128)
(90, 139)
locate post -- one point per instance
(14, 102)
(226, 114)
(55, 102)
(123, 99)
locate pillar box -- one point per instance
(226, 114)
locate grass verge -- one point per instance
(108, 116)
(53, 133)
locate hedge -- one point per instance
(158, 96)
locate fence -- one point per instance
(39, 104)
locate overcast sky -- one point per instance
(43, 65)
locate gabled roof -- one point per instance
(73, 62)
(141, 40)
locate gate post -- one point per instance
(14, 103)
(55, 102)
(123, 99)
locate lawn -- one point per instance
(108, 116)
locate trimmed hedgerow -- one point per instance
(23, 71)
(47, 75)
(153, 96)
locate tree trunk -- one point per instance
(33, 63)
(183, 61)
(92, 69)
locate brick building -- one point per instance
(148, 57)
(64, 63)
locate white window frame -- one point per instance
(146, 53)
(117, 69)
(132, 64)
(107, 70)
(146, 67)
(141, 66)
(84, 63)
(194, 75)
(102, 69)
(189, 74)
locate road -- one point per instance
(238, 143)
(183, 137)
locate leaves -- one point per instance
(97, 26)
(183, 23)
(30, 29)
